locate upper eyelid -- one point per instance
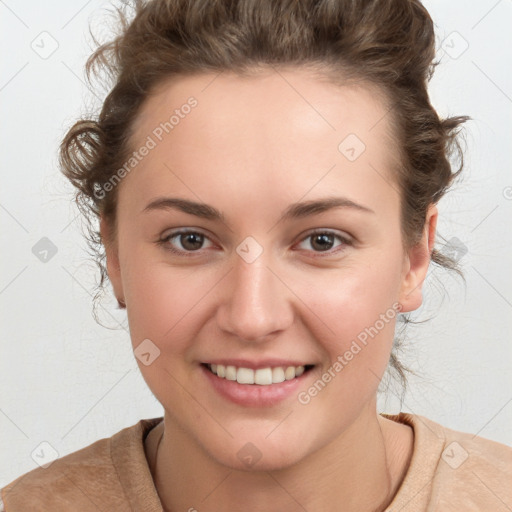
(184, 231)
(329, 231)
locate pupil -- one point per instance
(325, 241)
(193, 238)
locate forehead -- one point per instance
(282, 129)
(300, 98)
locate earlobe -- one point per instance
(113, 266)
(418, 260)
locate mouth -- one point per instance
(265, 376)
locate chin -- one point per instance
(257, 454)
(266, 462)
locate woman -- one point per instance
(265, 177)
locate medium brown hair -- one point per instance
(388, 44)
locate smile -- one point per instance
(261, 376)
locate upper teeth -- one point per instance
(262, 376)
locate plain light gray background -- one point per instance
(67, 381)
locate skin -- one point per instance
(251, 147)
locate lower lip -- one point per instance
(254, 395)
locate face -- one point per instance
(297, 261)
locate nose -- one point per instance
(256, 303)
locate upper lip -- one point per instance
(255, 365)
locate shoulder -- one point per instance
(87, 478)
(460, 470)
(473, 472)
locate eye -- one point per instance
(188, 240)
(185, 242)
(323, 241)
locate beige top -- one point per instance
(449, 471)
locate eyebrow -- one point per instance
(294, 211)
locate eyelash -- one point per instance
(165, 242)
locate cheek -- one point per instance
(160, 301)
(161, 298)
(350, 302)
(162, 307)
(354, 322)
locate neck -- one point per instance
(353, 470)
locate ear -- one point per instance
(112, 254)
(417, 263)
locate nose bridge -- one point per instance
(257, 303)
